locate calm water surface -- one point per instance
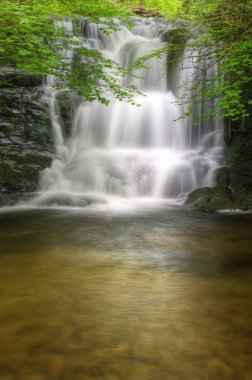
(161, 294)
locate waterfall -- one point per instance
(124, 151)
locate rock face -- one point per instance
(26, 142)
(234, 181)
(148, 12)
(233, 191)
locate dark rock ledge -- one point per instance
(220, 198)
(148, 12)
(26, 141)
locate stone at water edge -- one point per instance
(219, 198)
(210, 199)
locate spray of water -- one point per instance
(128, 152)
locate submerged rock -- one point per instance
(67, 200)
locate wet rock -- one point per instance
(176, 39)
(241, 175)
(210, 199)
(238, 141)
(177, 36)
(223, 176)
(67, 106)
(242, 197)
(26, 142)
(10, 77)
(67, 200)
(220, 198)
(10, 199)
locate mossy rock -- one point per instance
(235, 176)
(43, 160)
(26, 144)
(25, 114)
(7, 129)
(242, 197)
(11, 77)
(239, 149)
(18, 177)
(148, 12)
(66, 107)
(223, 176)
(210, 199)
(177, 38)
(9, 177)
(220, 198)
(10, 199)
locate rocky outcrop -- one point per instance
(177, 38)
(26, 143)
(233, 191)
(148, 12)
(220, 198)
(234, 181)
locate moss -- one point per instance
(210, 199)
(7, 129)
(239, 149)
(242, 198)
(21, 176)
(178, 38)
(9, 177)
(223, 176)
(220, 198)
(26, 136)
(65, 105)
(10, 77)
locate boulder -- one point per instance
(220, 198)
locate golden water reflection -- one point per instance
(78, 312)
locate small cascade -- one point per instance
(125, 151)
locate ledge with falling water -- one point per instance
(131, 152)
(101, 276)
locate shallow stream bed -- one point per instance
(161, 294)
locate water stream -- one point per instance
(133, 287)
(160, 294)
(129, 152)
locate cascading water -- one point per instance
(124, 151)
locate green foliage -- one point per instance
(28, 36)
(27, 43)
(222, 31)
(170, 8)
(94, 77)
(229, 41)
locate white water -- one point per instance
(129, 152)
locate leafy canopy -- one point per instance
(222, 31)
(27, 43)
(229, 41)
(27, 33)
(170, 8)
